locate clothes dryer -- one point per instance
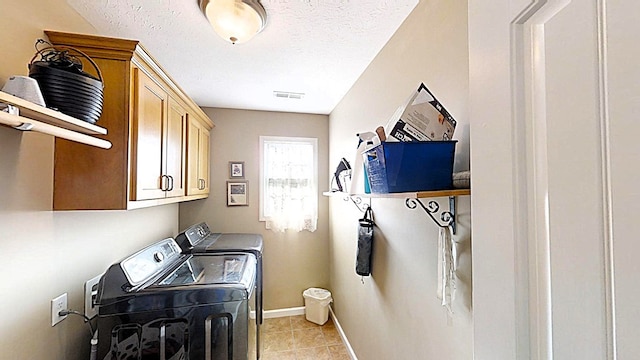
(198, 239)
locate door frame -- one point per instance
(511, 269)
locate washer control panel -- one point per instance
(149, 261)
(193, 235)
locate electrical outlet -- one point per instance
(58, 304)
(90, 294)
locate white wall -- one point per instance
(558, 277)
(624, 80)
(395, 314)
(46, 253)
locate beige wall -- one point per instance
(45, 253)
(292, 261)
(395, 314)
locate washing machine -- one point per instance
(198, 239)
(162, 304)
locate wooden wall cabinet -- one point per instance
(149, 120)
(198, 163)
(159, 141)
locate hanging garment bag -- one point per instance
(365, 244)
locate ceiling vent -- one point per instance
(288, 95)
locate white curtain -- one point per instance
(290, 186)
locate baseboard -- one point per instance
(352, 354)
(269, 314)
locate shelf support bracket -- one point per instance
(357, 201)
(447, 218)
(24, 126)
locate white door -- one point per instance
(554, 89)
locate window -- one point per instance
(288, 183)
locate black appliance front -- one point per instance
(198, 239)
(160, 304)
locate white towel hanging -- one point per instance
(446, 268)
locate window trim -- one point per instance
(293, 139)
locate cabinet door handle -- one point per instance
(170, 183)
(164, 182)
(202, 184)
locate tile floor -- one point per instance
(295, 338)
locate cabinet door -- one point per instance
(192, 157)
(150, 104)
(203, 160)
(198, 163)
(175, 143)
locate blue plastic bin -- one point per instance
(410, 166)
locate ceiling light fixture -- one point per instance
(236, 21)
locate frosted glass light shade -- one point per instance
(236, 21)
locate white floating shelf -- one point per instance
(38, 118)
(412, 195)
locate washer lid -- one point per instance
(213, 269)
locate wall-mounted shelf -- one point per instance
(446, 218)
(404, 195)
(356, 199)
(33, 117)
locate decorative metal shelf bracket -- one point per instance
(357, 201)
(447, 218)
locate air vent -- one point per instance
(288, 95)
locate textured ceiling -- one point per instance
(315, 47)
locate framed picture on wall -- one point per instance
(236, 169)
(237, 193)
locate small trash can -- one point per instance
(316, 305)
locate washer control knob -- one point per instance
(158, 257)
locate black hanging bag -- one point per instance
(365, 244)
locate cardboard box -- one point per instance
(423, 118)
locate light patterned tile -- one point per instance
(315, 353)
(280, 355)
(308, 341)
(301, 322)
(277, 341)
(276, 324)
(331, 335)
(329, 323)
(337, 349)
(308, 338)
(344, 356)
